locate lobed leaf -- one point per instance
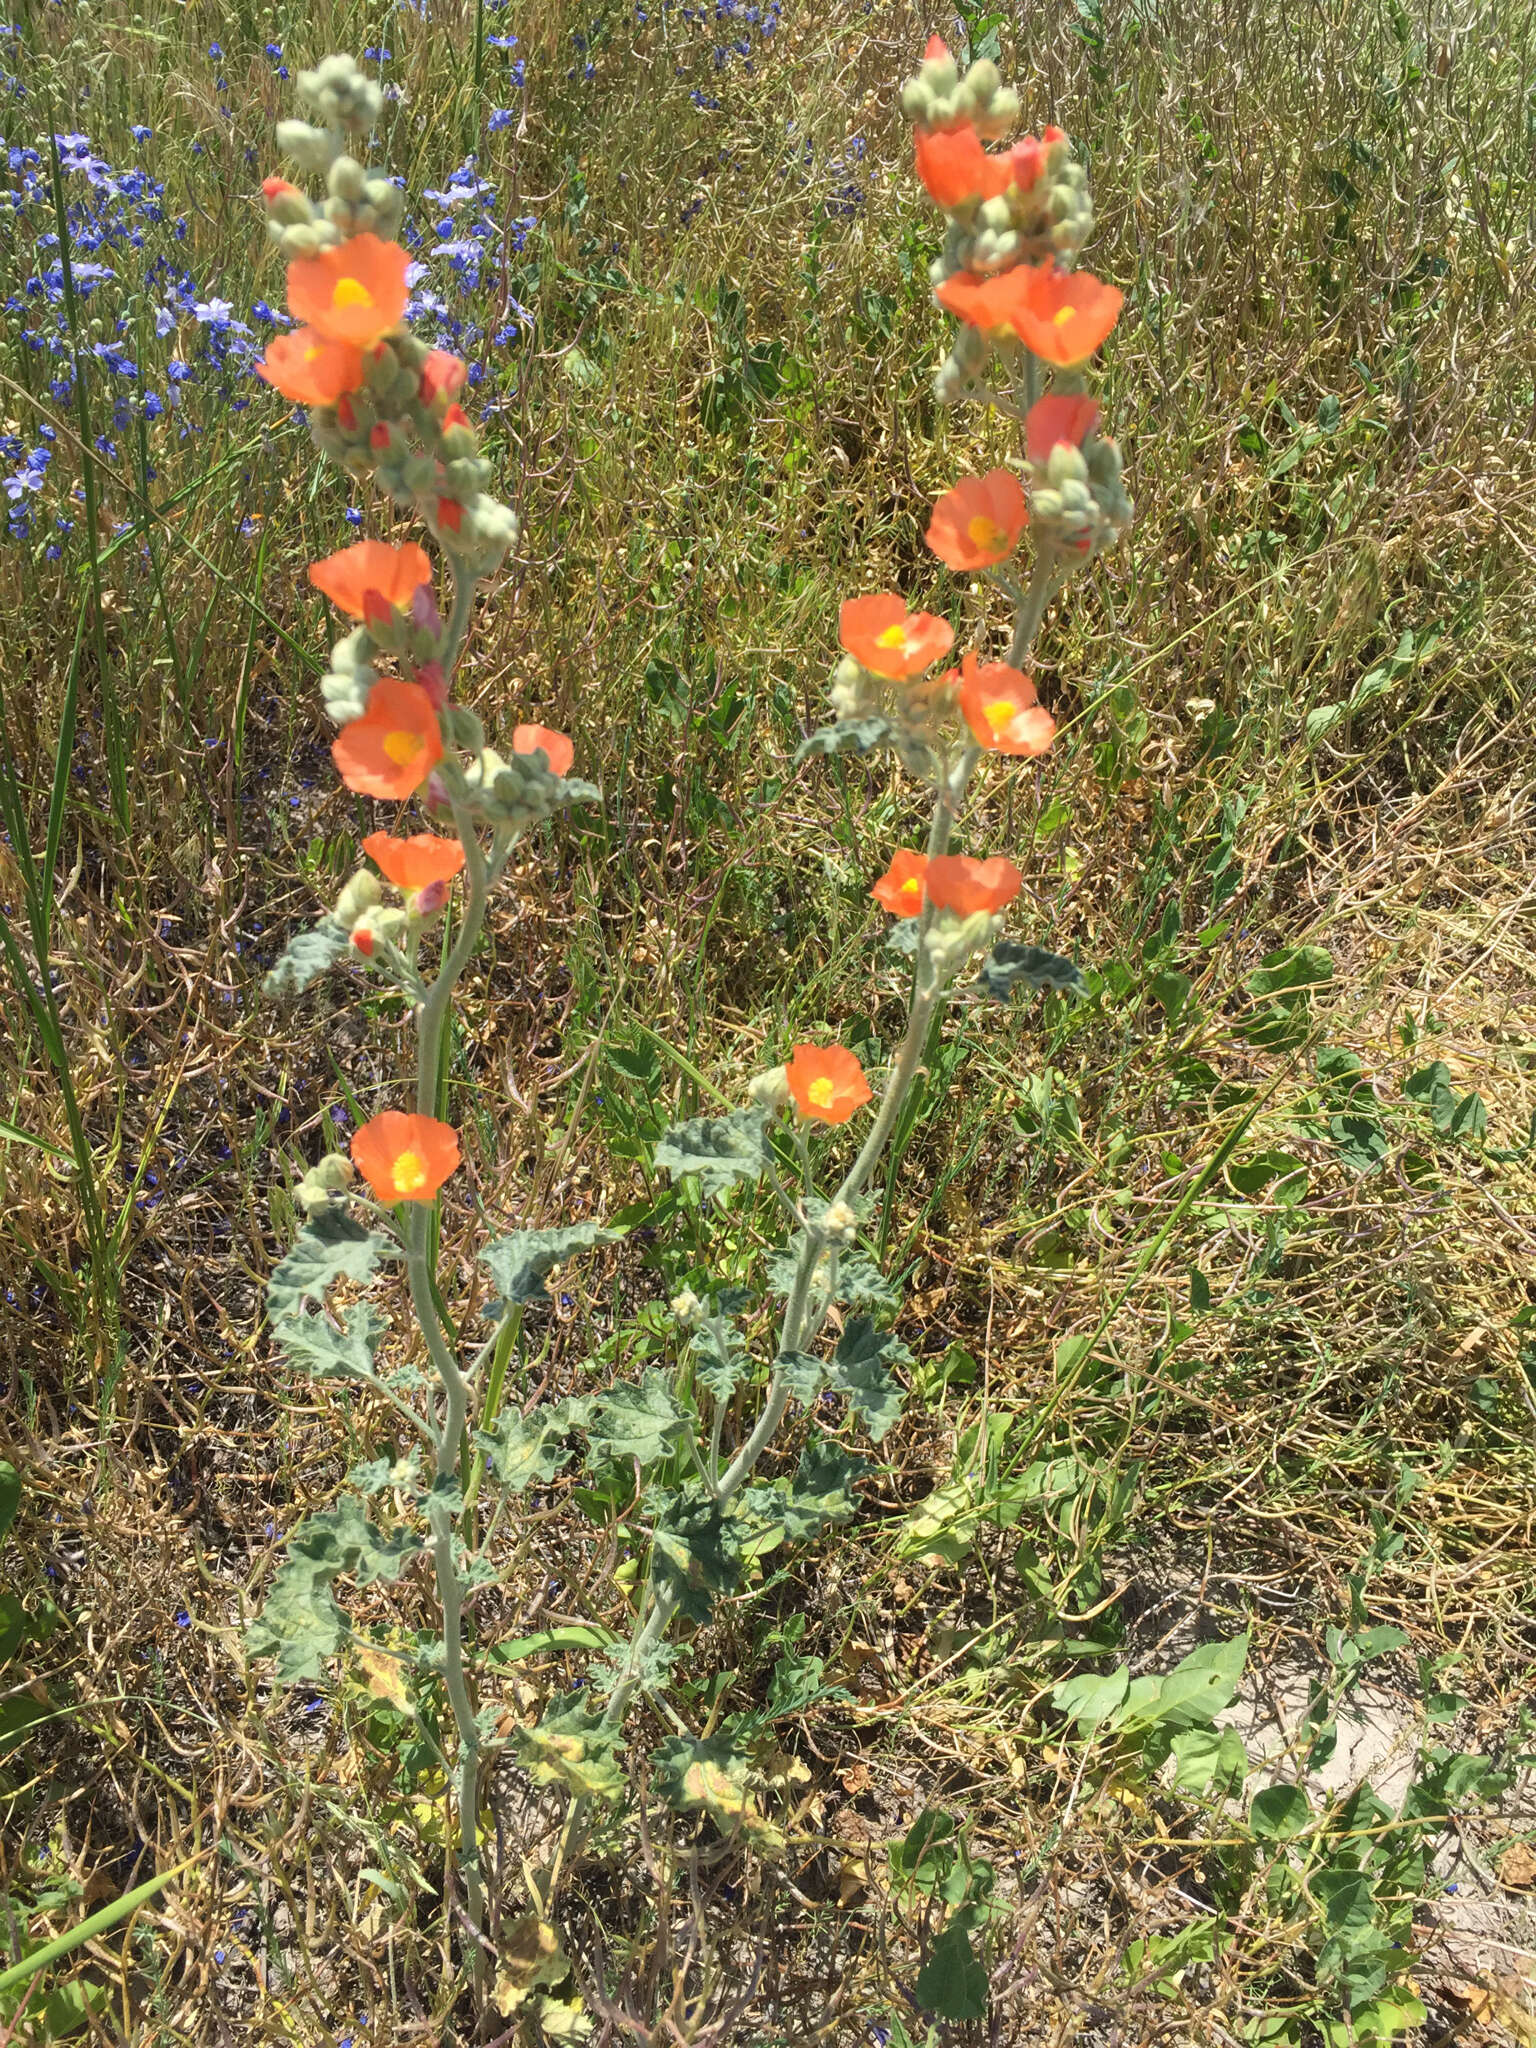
(858, 1371)
(643, 1422)
(721, 1150)
(711, 1776)
(307, 956)
(527, 1450)
(571, 1746)
(849, 736)
(1009, 966)
(697, 1552)
(331, 1246)
(300, 1625)
(522, 1261)
(333, 1351)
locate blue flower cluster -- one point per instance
(174, 349)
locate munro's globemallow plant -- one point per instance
(734, 1451)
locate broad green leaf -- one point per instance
(1091, 1699)
(330, 1351)
(332, 1246)
(1197, 1688)
(642, 1422)
(721, 1150)
(1292, 971)
(528, 1450)
(1165, 1957)
(797, 1683)
(1010, 965)
(804, 1375)
(1209, 1760)
(952, 1982)
(1360, 1140)
(859, 1282)
(13, 1626)
(712, 1777)
(1279, 1812)
(522, 1261)
(570, 1746)
(1428, 1082)
(10, 1495)
(849, 736)
(305, 958)
(697, 1552)
(822, 1490)
(301, 1625)
(718, 1358)
(858, 1371)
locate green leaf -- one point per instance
(712, 1777)
(301, 1625)
(13, 1626)
(1009, 966)
(797, 1683)
(305, 958)
(859, 1284)
(332, 1246)
(1091, 1699)
(804, 1375)
(1198, 1687)
(1469, 1118)
(859, 1372)
(952, 1982)
(10, 1495)
(849, 736)
(1209, 1760)
(528, 1450)
(697, 1552)
(718, 1357)
(822, 1490)
(1292, 971)
(1172, 990)
(1279, 1812)
(570, 1746)
(1360, 1141)
(642, 1422)
(721, 1150)
(522, 1261)
(332, 1351)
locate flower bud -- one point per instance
(360, 894)
(461, 728)
(432, 679)
(769, 1090)
(346, 180)
(687, 1308)
(951, 940)
(335, 1170)
(310, 148)
(840, 1224)
(430, 900)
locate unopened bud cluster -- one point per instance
(323, 1183)
(1078, 499)
(950, 941)
(910, 709)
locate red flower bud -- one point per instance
(362, 938)
(430, 900)
(377, 610)
(275, 188)
(455, 416)
(431, 678)
(450, 513)
(441, 374)
(346, 413)
(379, 437)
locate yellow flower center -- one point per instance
(313, 352)
(402, 747)
(410, 1173)
(351, 291)
(1000, 712)
(912, 886)
(893, 636)
(821, 1092)
(1063, 314)
(987, 535)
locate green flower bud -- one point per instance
(769, 1090)
(347, 180)
(363, 892)
(461, 728)
(312, 149)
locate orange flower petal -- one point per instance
(826, 1081)
(557, 748)
(998, 703)
(900, 889)
(889, 641)
(413, 863)
(348, 578)
(405, 1158)
(1065, 314)
(1063, 416)
(310, 370)
(991, 303)
(958, 883)
(355, 292)
(956, 169)
(392, 749)
(979, 521)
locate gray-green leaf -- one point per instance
(528, 1450)
(822, 1491)
(331, 1246)
(696, 1553)
(330, 1351)
(642, 1422)
(570, 1746)
(301, 1625)
(305, 958)
(849, 736)
(859, 1371)
(522, 1261)
(1009, 966)
(721, 1150)
(718, 1358)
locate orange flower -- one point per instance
(979, 521)
(557, 748)
(310, 370)
(1064, 314)
(900, 888)
(405, 1158)
(956, 882)
(990, 303)
(1064, 416)
(955, 168)
(355, 292)
(441, 373)
(413, 863)
(998, 703)
(392, 749)
(1029, 154)
(888, 640)
(826, 1081)
(372, 568)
